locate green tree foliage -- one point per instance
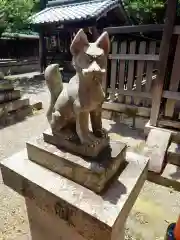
(14, 14)
(146, 11)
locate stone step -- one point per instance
(169, 178)
(13, 105)
(15, 116)
(73, 211)
(9, 96)
(173, 154)
(6, 85)
(93, 174)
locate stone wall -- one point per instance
(19, 66)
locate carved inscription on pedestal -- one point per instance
(64, 212)
(59, 208)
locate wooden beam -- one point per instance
(157, 89)
(131, 93)
(135, 29)
(169, 123)
(138, 57)
(176, 30)
(171, 95)
(120, 107)
(140, 28)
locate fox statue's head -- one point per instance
(89, 59)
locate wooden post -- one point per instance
(157, 89)
(42, 4)
(42, 51)
(42, 43)
(95, 33)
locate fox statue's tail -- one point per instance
(55, 85)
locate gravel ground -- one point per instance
(13, 217)
(155, 207)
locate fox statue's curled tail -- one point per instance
(55, 85)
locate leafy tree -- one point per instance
(14, 14)
(146, 11)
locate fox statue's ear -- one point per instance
(103, 42)
(79, 42)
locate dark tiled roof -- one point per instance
(73, 10)
(63, 2)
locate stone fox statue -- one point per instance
(83, 96)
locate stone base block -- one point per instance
(16, 110)
(6, 85)
(156, 148)
(6, 96)
(70, 142)
(37, 105)
(15, 116)
(91, 173)
(13, 105)
(175, 134)
(66, 210)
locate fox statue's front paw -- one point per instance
(101, 133)
(89, 140)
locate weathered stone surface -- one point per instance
(156, 147)
(37, 105)
(169, 178)
(9, 95)
(72, 104)
(62, 140)
(14, 105)
(175, 134)
(63, 202)
(6, 85)
(107, 114)
(45, 226)
(173, 155)
(136, 158)
(15, 116)
(92, 173)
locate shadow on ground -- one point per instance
(125, 131)
(30, 86)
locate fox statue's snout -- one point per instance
(94, 70)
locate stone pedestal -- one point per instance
(71, 198)
(63, 140)
(93, 173)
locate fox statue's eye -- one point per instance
(99, 58)
(90, 59)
